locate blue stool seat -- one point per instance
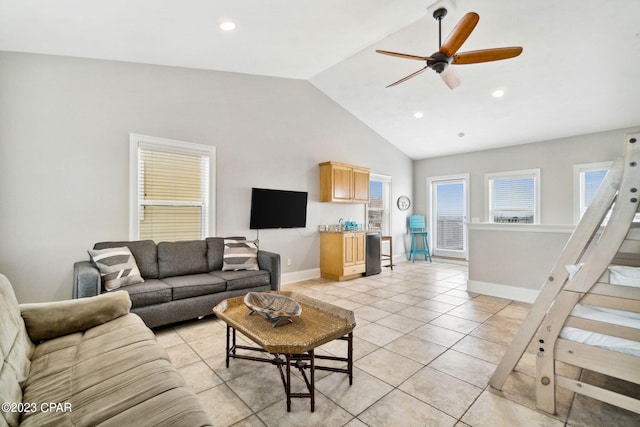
(418, 232)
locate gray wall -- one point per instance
(555, 159)
(519, 259)
(64, 135)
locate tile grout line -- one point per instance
(412, 279)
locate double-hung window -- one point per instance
(587, 180)
(171, 189)
(513, 197)
(378, 209)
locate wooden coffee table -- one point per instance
(290, 344)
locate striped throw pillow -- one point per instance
(117, 267)
(240, 255)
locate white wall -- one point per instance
(64, 132)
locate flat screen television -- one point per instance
(278, 209)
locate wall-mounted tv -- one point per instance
(278, 209)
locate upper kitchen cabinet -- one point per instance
(344, 183)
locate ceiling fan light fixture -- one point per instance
(447, 53)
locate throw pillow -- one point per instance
(240, 255)
(117, 267)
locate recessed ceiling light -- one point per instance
(418, 115)
(497, 93)
(227, 26)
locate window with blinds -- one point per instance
(450, 213)
(587, 178)
(172, 189)
(591, 181)
(514, 197)
(378, 209)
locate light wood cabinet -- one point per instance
(344, 183)
(360, 185)
(342, 255)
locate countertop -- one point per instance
(351, 231)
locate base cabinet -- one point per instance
(342, 255)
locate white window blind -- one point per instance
(378, 209)
(450, 215)
(513, 197)
(587, 178)
(591, 181)
(172, 190)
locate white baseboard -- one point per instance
(314, 273)
(450, 260)
(399, 257)
(503, 291)
(297, 276)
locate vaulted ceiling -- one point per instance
(579, 72)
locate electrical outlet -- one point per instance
(288, 261)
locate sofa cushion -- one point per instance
(243, 279)
(110, 370)
(144, 251)
(153, 291)
(175, 407)
(240, 255)
(46, 320)
(215, 251)
(182, 258)
(117, 267)
(15, 352)
(194, 285)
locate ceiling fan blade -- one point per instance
(404, 79)
(459, 34)
(450, 77)
(403, 55)
(486, 55)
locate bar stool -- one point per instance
(388, 256)
(417, 229)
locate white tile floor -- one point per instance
(424, 350)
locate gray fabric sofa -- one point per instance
(87, 362)
(182, 280)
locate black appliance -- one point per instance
(373, 253)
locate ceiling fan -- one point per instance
(447, 53)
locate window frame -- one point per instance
(137, 141)
(515, 174)
(465, 179)
(386, 211)
(578, 185)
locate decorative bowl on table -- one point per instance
(276, 308)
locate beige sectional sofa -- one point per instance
(87, 362)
